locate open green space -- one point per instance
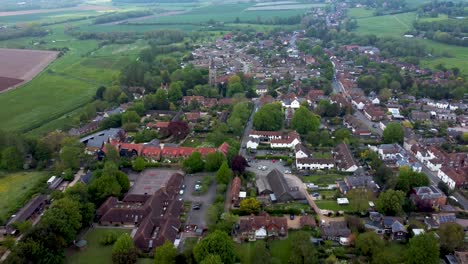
(16, 189)
(323, 179)
(384, 26)
(396, 25)
(223, 13)
(95, 252)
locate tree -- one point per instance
(269, 118)
(138, 164)
(100, 93)
(212, 259)
(250, 206)
(423, 249)
(175, 92)
(393, 133)
(262, 254)
(216, 243)
(385, 94)
(384, 177)
(214, 160)
(238, 164)
(70, 156)
(178, 129)
(302, 250)
(161, 100)
(224, 174)
(409, 179)
(112, 154)
(369, 243)
(124, 251)
(112, 94)
(194, 163)
(63, 218)
(165, 254)
(11, 159)
(390, 202)
(130, 117)
(304, 121)
(108, 182)
(451, 237)
(342, 134)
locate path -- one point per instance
(401, 22)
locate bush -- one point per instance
(109, 238)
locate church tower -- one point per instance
(212, 73)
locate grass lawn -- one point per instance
(16, 189)
(333, 205)
(300, 206)
(383, 26)
(279, 249)
(360, 12)
(322, 180)
(95, 252)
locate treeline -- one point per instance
(434, 8)
(292, 20)
(121, 16)
(21, 32)
(450, 31)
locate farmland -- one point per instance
(396, 25)
(16, 189)
(23, 64)
(69, 83)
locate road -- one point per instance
(248, 128)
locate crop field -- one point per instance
(390, 25)
(360, 12)
(222, 13)
(281, 7)
(40, 11)
(22, 65)
(16, 189)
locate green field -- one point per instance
(279, 249)
(384, 26)
(397, 25)
(16, 189)
(95, 252)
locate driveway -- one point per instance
(198, 217)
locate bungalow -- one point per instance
(357, 182)
(399, 231)
(275, 185)
(314, 164)
(192, 117)
(336, 231)
(344, 158)
(252, 228)
(94, 142)
(266, 135)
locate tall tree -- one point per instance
(212, 259)
(369, 243)
(250, 206)
(214, 160)
(302, 250)
(165, 254)
(224, 174)
(390, 202)
(451, 236)
(423, 249)
(409, 179)
(11, 159)
(63, 218)
(304, 121)
(238, 164)
(124, 251)
(175, 92)
(262, 254)
(216, 243)
(269, 118)
(393, 133)
(178, 129)
(194, 163)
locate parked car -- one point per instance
(181, 192)
(316, 194)
(291, 216)
(287, 171)
(196, 206)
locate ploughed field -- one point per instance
(18, 66)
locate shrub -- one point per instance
(109, 238)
